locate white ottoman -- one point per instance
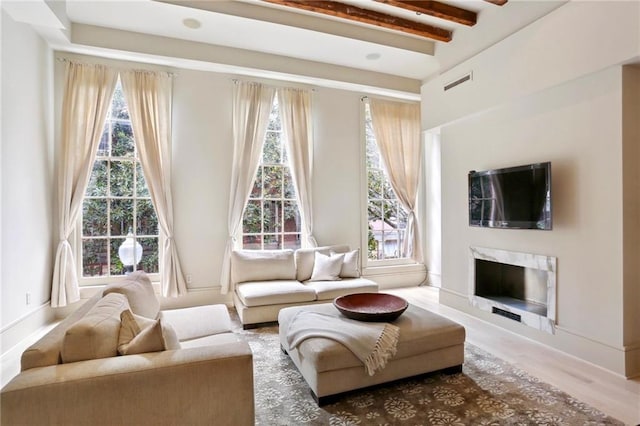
(428, 342)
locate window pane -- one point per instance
(289, 188)
(118, 104)
(271, 149)
(292, 241)
(122, 178)
(149, 260)
(272, 181)
(375, 183)
(146, 219)
(103, 147)
(274, 117)
(121, 217)
(272, 219)
(291, 217)
(256, 192)
(95, 257)
(272, 242)
(94, 217)
(252, 242)
(116, 264)
(141, 185)
(252, 220)
(97, 186)
(122, 144)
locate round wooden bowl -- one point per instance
(373, 307)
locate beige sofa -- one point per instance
(266, 281)
(185, 367)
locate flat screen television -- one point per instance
(514, 197)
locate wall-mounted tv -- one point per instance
(514, 197)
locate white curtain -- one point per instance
(397, 129)
(295, 112)
(252, 104)
(87, 97)
(148, 97)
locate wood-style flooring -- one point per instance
(609, 393)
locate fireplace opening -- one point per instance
(512, 285)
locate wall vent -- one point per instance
(459, 81)
(506, 314)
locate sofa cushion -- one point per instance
(198, 321)
(329, 290)
(327, 268)
(305, 259)
(139, 291)
(95, 335)
(262, 265)
(274, 292)
(350, 264)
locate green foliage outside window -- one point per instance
(271, 218)
(117, 200)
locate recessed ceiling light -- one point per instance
(373, 56)
(191, 23)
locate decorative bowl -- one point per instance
(372, 307)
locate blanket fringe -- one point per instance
(385, 348)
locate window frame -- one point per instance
(283, 199)
(77, 245)
(366, 262)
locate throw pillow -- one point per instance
(351, 264)
(95, 335)
(139, 291)
(327, 268)
(157, 336)
(130, 326)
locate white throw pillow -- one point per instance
(351, 264)
(327, 268)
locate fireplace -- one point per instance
(518, 286)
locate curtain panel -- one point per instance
(148, 97)
(87, 97)
(295, 110)
(396, 126)
(252, 104)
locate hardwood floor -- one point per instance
(593, 385)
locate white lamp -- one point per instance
(130, 252)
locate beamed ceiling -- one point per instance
(389, 18)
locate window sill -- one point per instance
(87, 291)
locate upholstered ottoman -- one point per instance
(427, 343)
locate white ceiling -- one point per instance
(256, 26)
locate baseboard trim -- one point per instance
(602, 355)
(16, 331)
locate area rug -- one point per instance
(489, 391)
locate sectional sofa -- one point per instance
(119, 360)
(266, 281)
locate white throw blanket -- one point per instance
(372, 343)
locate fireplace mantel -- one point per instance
(533, 302)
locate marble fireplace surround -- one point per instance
(537, 304)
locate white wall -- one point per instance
(26, 176)
(536, 98)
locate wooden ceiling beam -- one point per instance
(436, 9)
(365, 16)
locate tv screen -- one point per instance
(515, 197)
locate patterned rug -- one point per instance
(489, 391)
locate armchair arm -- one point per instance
(196, 386)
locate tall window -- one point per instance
(117, 205)
(271, 218)
(387, 220)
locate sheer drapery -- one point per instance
(397, 129)
(87, 98)
(252, 104)
(295, 112)
(148, 97)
